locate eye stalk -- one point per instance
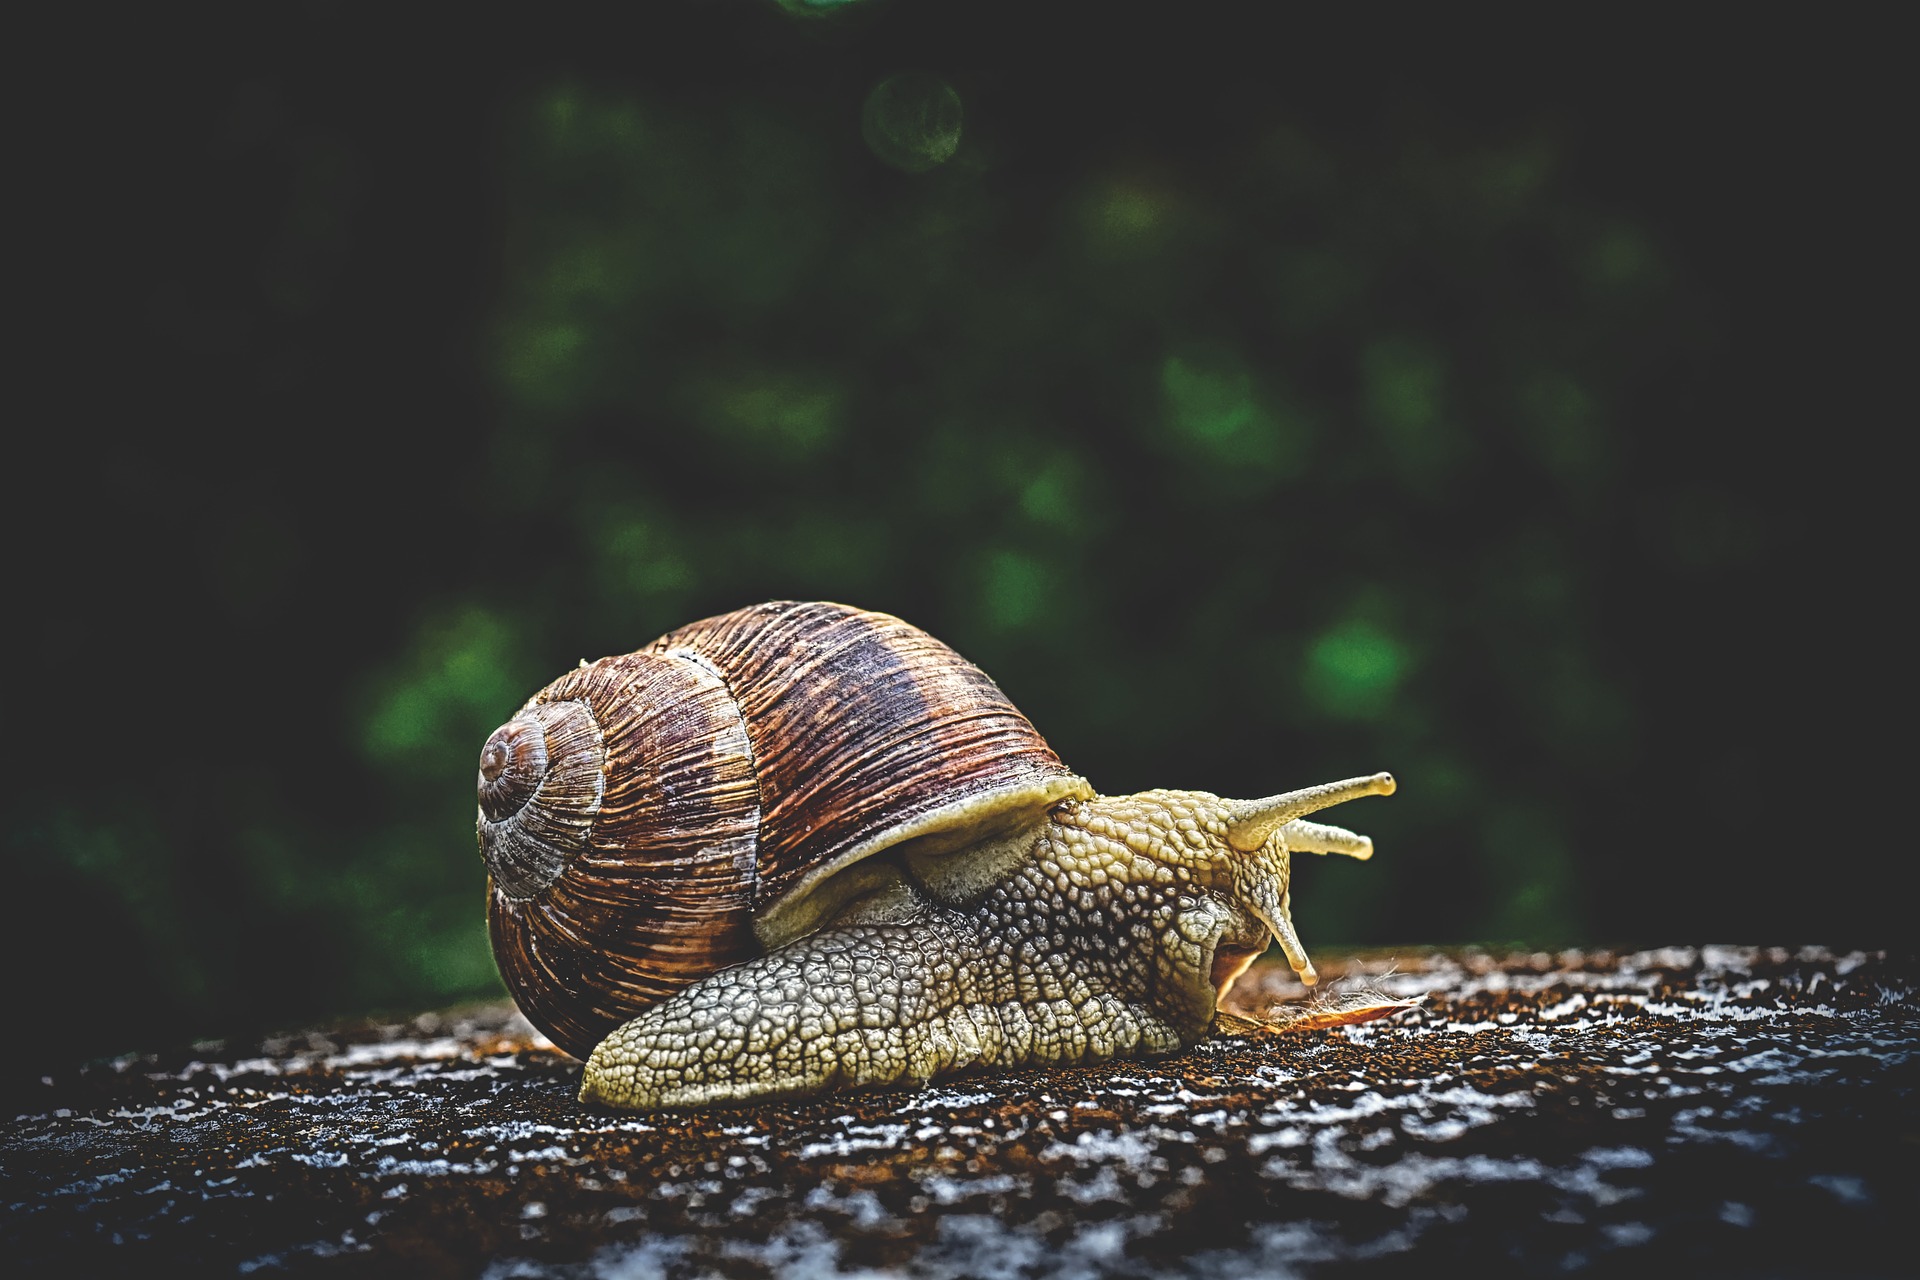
(1254, 820)
(1251, 823)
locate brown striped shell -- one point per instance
(651, 818)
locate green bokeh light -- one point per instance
(1015, 590)
(1218, 417)
(1404, 381)
(912, 121)
(459, 682)
(1354, 669)
(1051, 495)
(542, 364)
(786, 417)
(1532, 871)
(638, 557)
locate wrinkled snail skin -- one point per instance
(1113, 939)
(802, 846)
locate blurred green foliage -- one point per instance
(1234, 480)
(1246, 446)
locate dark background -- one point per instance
(1260, 401)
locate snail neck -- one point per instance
(1145, 892)
(1140, 897)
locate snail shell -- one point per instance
(651, 818)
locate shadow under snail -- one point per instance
(802, 846)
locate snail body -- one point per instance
(800, 846)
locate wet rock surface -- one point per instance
(1727, 1110)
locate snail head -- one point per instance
(1264, 834)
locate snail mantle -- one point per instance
(1711, 1110)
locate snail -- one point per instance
(803, 846)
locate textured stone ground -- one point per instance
(1722, 1110)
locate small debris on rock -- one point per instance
(1733, 1109)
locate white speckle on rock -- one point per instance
(1846, 1190)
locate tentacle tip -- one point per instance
(1384, 784)
(1309, 976)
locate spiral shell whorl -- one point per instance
(657, 889)
(542, 782)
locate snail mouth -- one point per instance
(1228, 964)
